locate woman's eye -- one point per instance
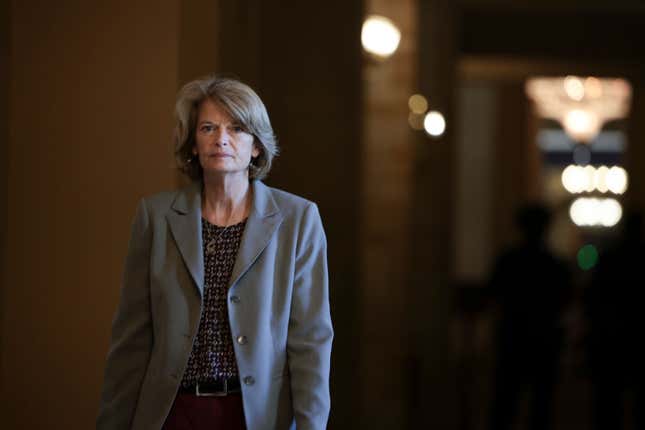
(206, 128)
(238, 129)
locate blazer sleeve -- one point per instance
(310, 332)
(132, 338)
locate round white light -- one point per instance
(434, 123)
(600, 179)
(380, 36)
(609, 212)
(591, 211)
(578, 179)
(574, 88)
(582, 125)
(580, 210)
(574, 179)
(616, 180)
(590, 178)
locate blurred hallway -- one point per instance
(573, 395)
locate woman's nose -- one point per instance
(222, 137)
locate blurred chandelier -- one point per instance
(581, 104)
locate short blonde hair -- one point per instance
(241, 103)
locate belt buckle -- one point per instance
(214, 394)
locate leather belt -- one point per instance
(219, 387)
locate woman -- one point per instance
(223, 320)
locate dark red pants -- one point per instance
(191, 412)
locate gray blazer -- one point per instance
(278, 300)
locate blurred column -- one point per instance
(517, 160)
(429, 294)
(5, 82)
(474, 188)
(388, 159)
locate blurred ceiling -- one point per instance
(535, 36)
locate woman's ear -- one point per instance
(255, 152)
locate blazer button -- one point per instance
(242, 340)
(235, 299)
(249, 380)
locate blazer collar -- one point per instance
(264, 219)
(185, 220)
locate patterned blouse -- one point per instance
(212, 356)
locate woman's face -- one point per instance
(221, 143)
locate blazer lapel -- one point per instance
(263, 221)
(185, 220)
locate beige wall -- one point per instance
(198, 38)
(91, 98)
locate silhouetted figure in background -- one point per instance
(531, 287)
(615, 303)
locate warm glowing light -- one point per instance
(616, 180)
(574, 179)
(593, 87)
(579, 212)
(416, 121)
(581, 104)
(591, 211)
(574, 88)
(380, 36)
(434, 123)
(600, 179)
(581, 124)
(590, 182)
(418, 104)
(579, 179)
(610, 212)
